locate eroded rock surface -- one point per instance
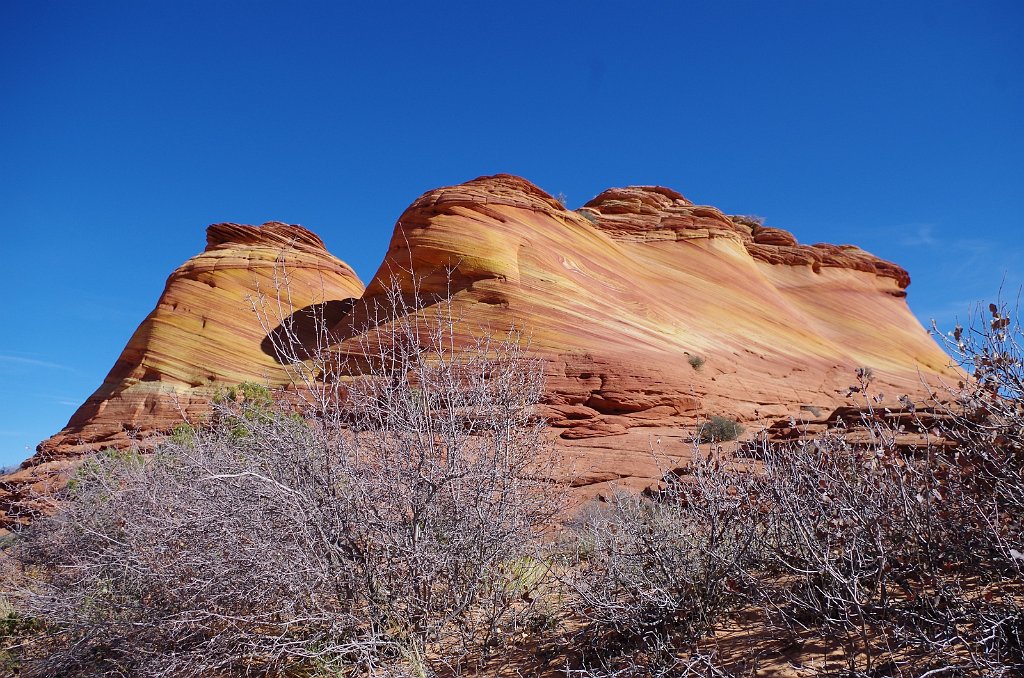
(653, 312)
(209, 329)
(650, 312)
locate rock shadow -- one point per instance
(306, 330)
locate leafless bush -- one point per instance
(903, 560)
(895, 554)
(987, 420)
(864, 549)
(657, 575)
(387, 527)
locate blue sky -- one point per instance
(127, 127)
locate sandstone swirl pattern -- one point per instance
(618, 297)
(621, 294)
(204, 333)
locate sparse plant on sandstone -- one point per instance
(696, 361)
(750, 220)
(719, 429)
(385, 530)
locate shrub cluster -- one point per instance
(654, 576)
(397, 523)
(888, 560)
(390, 535)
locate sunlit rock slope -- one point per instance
(205, 332)
(654, 312)
(651, 313)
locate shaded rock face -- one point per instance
(204, 333)
(649, 311)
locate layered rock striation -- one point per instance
(653, 312)
(650, 312)
(209, 329)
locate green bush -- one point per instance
(184, 434)
(237, 408)
(14, 630)
(719, 429)
(696, 361)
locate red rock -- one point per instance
(204, 334)
(618, 297)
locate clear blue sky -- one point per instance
(127, 127)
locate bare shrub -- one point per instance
(986, 420)
(866, 548)
(903, 560)
(899, 555)
(383, 527)
(657, 575)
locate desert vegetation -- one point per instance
(386, 524)
(848, 559)
(718, 429)
(404, 522)
(750, 220)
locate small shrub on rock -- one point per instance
(719, 429)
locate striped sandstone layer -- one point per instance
(622, 294)
(650, 312)
(204, 333)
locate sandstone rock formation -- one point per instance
(651, 313)
(204, 333)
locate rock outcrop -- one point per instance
(651, 313)
(209, 329)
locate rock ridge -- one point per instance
(651, 313)
(272, 234)
(622, 293)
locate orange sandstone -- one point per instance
(650, 312)
(204, 333)
(621, 294)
